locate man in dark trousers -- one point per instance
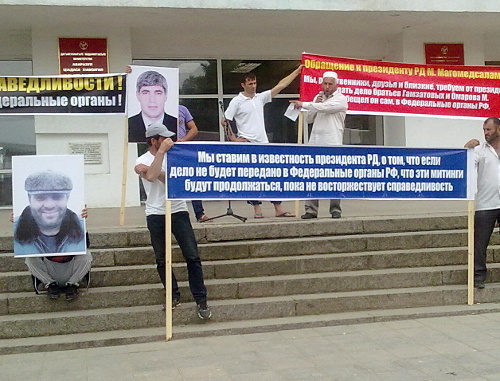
(151, 168)
(486, 157)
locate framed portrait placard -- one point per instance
(48, 199)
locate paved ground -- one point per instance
(444, 348)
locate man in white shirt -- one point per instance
(151, 168)
(327, 112)
(247, 110)
(488, 194)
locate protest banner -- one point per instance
(388, 88)
(278, 172)
(82, 94)
(249, 171)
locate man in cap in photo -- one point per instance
(47, 226)
(151, 168)
(327, 112)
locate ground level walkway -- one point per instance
(442, 348)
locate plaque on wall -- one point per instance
(83, 56)
(444, 54)
(91, 151)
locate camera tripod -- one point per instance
(229, 212)
(229, 135)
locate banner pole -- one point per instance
(470, 256)
(168, 270)
(300, 134)
(124, 173)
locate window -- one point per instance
(17, 133)
(201, 89)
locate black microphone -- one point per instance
(322, 95)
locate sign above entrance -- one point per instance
(444, 54)
(83, 56)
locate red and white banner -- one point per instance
(388, 88)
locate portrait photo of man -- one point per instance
(47, 225)
(155, 93)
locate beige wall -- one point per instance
(54, 133)
(265, 29)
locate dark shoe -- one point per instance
(336, 215)
(308, 216)
(204, 312)
(71, 292)
(175, 302)
(53, 290)
(479, 284)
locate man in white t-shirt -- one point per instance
(247, 110)
(151, 168)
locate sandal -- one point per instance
(258, 215)
(286, 214)
(203, 218)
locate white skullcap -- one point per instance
(330, 74)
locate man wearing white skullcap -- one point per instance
(327, 112)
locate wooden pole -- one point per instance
(300, 131)
(124, 173)
(300, 135)
(168, 269)
(470, 256)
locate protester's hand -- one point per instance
(85, 212)
(128, 69)
(165, 145)
(472, 143)
(11, 217)
(297, 104)
(141, 169)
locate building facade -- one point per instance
(210, 42)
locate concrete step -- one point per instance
(259, 248)
(121, 318)
(242, 288)
(20, 281)
(238, 249)
(220, 231)
(212, 328)
(144, 335)
(256, 274)
(329, 244)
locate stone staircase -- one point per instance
(260, 277)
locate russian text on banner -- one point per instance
(388, 88)
(82, 94)
(270, 171)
